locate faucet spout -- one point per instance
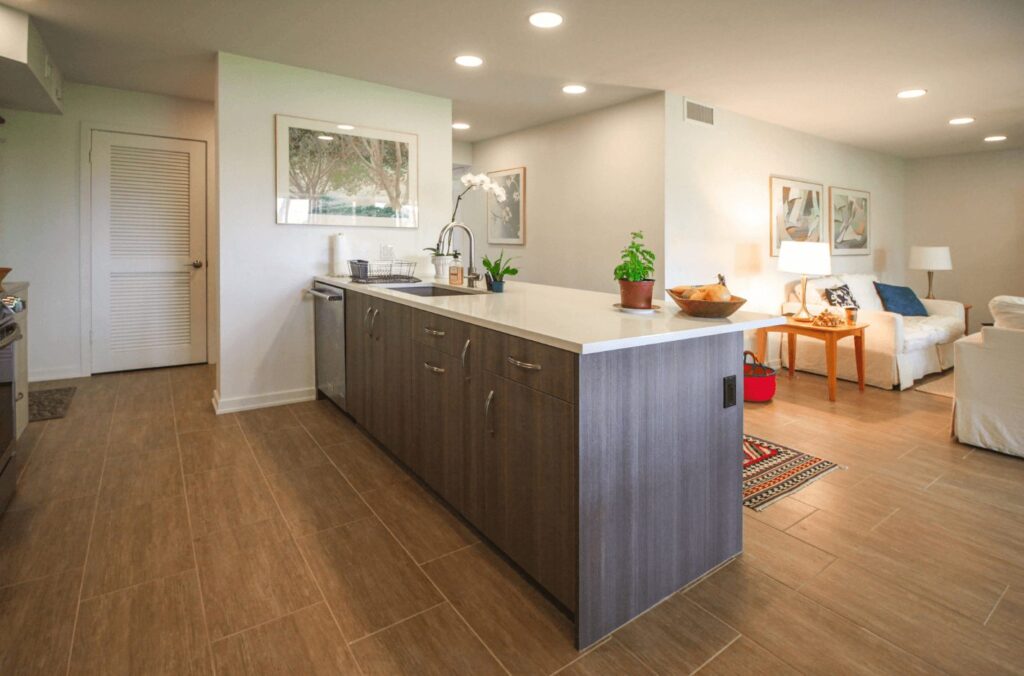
(472, 276)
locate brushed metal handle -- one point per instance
(373, 320)
(21, 395)
(523, 364)
(194, 264)
(465, 353)
(366, 318)
(487, 413)
(433, 332)
(325, 296)
(432, 368)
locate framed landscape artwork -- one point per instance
(506, 221)
(336, 174)
(796, 212)
(850, 213)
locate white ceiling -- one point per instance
(830, 68)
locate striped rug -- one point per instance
(771, 472)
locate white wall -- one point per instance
(266, 321)
(973, 204)
(717, 201)
(590, 180)
(39, 207)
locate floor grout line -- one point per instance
(447, 554)
(996, 605)
(264, 623)
(404, 619)
(711, 659)
(884, 519)
(585, 653)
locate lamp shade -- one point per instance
(930, 258)
(805, 258)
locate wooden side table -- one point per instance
(831, 337)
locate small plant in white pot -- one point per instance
(498, 270)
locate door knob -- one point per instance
(195, 264)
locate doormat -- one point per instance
(771, 472)
(49, 404)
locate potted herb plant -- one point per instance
(497, 270)
(636, 287)
(441, 260)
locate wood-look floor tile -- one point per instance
(329, 426)
(213, 448)
(676, 636)
(610, 658)
(144, 403)
(783, 557)
(145, 381)
(39, 618)
(228, 497)
(267, 419)
(746, 658)
(74, 476)
(197, 414)
(782, 514)
(1000, 492)
(435, 642)
(316, 498)
(138, 543)
(306, 642)
(286, 449)
(44, 540)
(65, 435)
(418, 520)
(850, 502)
(522, 628)
(1007, 617)
(363, 464)
(369, 580)
(772, 614)
(152, 628)
(134, 435)
(141, 477)
(250, 575)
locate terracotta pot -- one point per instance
(636, 295)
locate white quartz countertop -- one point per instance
(570, 319)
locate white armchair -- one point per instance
(989, 410)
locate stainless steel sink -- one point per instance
(436, 291)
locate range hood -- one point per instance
(29, 80)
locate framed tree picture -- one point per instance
(796, 212)
(850, 214)
(506, 221)
(338, 174)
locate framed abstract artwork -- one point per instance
(506, 221)
(796, 212)
(339, 174)
(850, 214)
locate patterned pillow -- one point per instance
(841, 296)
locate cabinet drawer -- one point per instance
(440, 333)
(544, 368)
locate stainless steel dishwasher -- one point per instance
(329, 329)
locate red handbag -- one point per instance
(758, 379)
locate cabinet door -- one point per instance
(484, 494)
(537, 436)
(389, 364)
(357, 346)
(438, 457)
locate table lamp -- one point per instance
(930, 258)
(805, 258)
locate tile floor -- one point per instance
(150, 536)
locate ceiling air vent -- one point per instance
(698, 112)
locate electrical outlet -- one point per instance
(729, 391)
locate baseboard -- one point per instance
(262, 400)
(63, 373)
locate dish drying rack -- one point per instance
(382, 272)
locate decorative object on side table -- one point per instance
(849, 212)
(930, 258)
(506, 218)
(636, 287)
(497, 270)
(710, 301)
(828, 319)
(805, 258)
(796, 212)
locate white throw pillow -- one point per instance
(863, 289)
(1007, 311)
(816, 289)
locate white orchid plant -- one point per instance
(478, 182)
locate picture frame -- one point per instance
(338, 174)
(849, 221)
(796, 211)
(506, 221)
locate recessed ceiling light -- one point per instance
(469, 61)
(995, 139)
(546, 19)
(911, 93)
(574, 89)
(461, 126)
(346, 127)
(325, 137)
(961, 120)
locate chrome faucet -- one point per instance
(472, 276)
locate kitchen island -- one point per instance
(599, 451)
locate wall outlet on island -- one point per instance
(729, 391)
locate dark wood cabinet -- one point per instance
(438, 416)
(357, 355)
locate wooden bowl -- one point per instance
(707, 309)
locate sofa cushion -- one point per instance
(841, 296)
(901, 300)
(863, 289)
(816, 289)
(1007, 312)
(921, 332)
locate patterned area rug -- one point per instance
(771, 472)
(49, 404)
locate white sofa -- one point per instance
(897, 350)
(989, 410)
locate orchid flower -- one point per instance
(482, 181)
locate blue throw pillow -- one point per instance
(901, 300)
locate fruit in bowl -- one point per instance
(710, 301)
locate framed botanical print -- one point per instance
(796, 212)
(339, 174)
(506, 221)
(850, 214)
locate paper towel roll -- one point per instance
(339, 255)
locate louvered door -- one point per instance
(149, 251)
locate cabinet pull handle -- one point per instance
(523, 364)
(487, 413)
(373, 321)
(465, 353)
(366, 318)
(432, 368)
(21, 395)
(433, 332)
